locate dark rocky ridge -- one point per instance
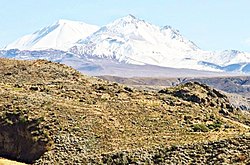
(239, 85)
(234, 84)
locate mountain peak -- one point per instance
(132, 40)
(60, 35)
(68, 22)
(63, 21)
(129, 19)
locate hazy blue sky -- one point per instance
(211, 24)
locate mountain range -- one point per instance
(128, 42)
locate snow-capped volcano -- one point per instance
(60, 35)
(135, 41)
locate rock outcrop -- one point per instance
(20, 138)
(200, 94)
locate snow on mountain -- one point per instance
(224, 58)
(127, 40)
(137, 42)
(61, 35)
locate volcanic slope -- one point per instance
(50, 113)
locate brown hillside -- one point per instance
(50, 113)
